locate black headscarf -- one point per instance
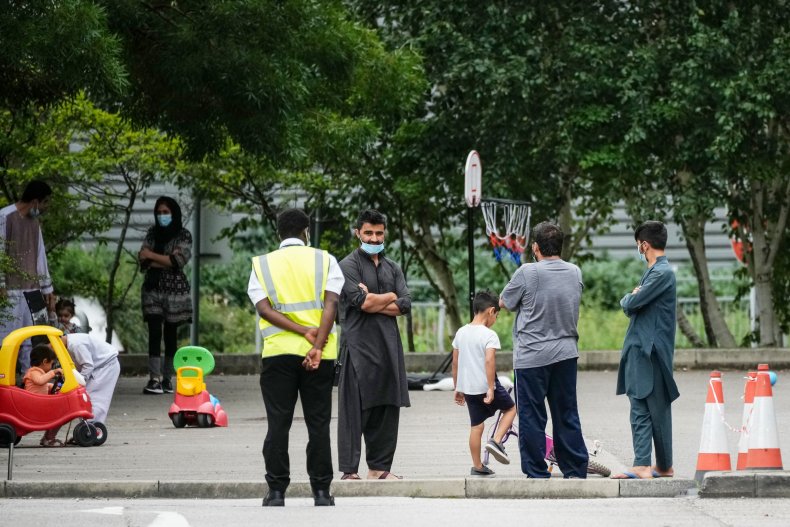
(162, 235)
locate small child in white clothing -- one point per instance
(476, 383)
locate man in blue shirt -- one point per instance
(645, 372)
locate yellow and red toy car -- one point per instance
(22, 412)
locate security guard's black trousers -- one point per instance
(283, 378)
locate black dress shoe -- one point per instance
(274, 498)
(322, 498)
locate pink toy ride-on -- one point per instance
(193, 404)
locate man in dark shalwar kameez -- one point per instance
(373, 386)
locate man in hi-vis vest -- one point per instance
(295, 290)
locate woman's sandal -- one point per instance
(350, 475)
(50, 442)
(386, 475)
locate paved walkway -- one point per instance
(143, 446)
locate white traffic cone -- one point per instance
(764, 452)
(748, 402)
(713, 451)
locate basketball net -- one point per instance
(507, 227)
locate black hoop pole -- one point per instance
(471, 250)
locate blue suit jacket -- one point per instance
(650, 338)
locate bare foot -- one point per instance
(641, 472)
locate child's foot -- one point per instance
(498, 451)
(482, 471)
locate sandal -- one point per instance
(71, 442)
(350, 475)
(386, 475)
(50, 442)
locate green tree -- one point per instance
(107, 165)
(706, 97)
(533, 87)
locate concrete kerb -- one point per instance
(474, 488)
(746, 484)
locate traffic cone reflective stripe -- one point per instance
(748, 402)
(764, 452)
(713, 451)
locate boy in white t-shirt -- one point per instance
(476, 383)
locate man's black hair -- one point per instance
(36, 189)
(549, 238)
(291, 223)
(484, 300)
(41, 352)
(652, 232)
(371, 216)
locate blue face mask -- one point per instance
(641, 255)
(371, 248)
(35, 212)
(164, 219)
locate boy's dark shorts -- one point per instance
(480, 411)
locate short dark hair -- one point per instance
(291, 223)
(549, 238)
(484, 300)
(371, 216)
(65, 303)
(36, 189)
(40, 353)
(652, 232)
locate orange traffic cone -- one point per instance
(713, 451)
(748, 402)
(764, 450)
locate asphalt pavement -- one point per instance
(146, 456)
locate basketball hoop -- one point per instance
(473, 172)
(507, 227)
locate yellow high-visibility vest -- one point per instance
(294, 278)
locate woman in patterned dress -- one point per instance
(167, 302)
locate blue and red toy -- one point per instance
(193, 404)
(22, 412)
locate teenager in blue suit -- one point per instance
(645, 372)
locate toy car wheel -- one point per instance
(84, 434)
(179, 421)
(101, 434)
(8, 434)
(205, 420)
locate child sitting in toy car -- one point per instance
(38, 379)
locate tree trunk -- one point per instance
(716, 329)
(766, 235)
(566, 214)
(438, 268)
(688, 330)
(116, 262)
